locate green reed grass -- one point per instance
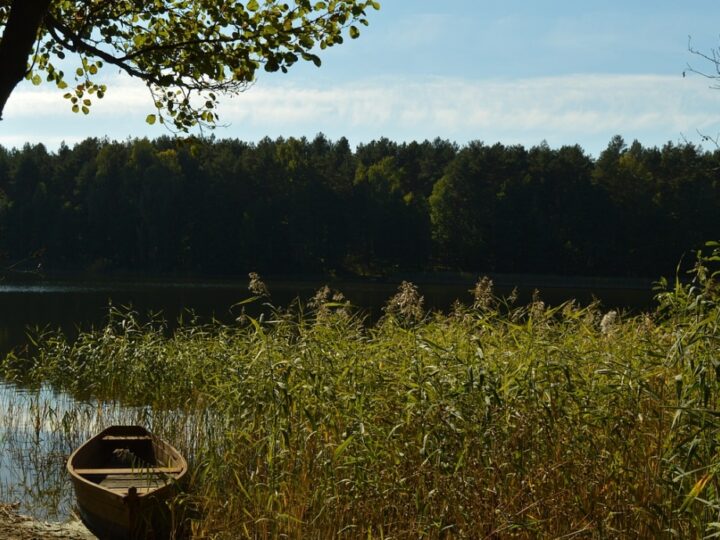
(492, 421)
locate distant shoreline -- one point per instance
(419, 278)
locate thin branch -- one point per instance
(714, 60)
(178, 45)
(76, 44)
(34, 60)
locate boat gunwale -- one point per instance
(156, 441)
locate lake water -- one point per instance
(73, 305)
(39, 429)
(34, 448)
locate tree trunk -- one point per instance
(21, 33)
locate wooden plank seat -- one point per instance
(122, 491)
(141, 483)
(129, 470)
(127, 438)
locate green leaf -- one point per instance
(252, 5)
(343, 446)
(335, 304)
(256, 325)
(247, 301)
(696, 490)
(354, 32)
(272, 65)
(36, 80)
(150, 119)
(312, 58)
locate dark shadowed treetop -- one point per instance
(205, 207)
(187, 52)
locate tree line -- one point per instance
(206, 207)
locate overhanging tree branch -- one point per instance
(75, 43)
(181, 49)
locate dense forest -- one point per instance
(206, 207)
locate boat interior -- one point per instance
(124, 461)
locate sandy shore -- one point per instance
(14, 526)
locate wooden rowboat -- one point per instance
(123, 478)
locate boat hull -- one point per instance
(111, 518)
(120, 501)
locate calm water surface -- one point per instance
(34, 448)
(39, 429)
(74, 305)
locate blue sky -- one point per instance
(513, 71)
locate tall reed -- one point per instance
(492, 421)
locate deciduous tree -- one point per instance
(187, 52)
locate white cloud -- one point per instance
(586, 109)
(578, 104)
(123, 96)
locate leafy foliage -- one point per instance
(188, 52)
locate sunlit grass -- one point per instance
(490, 421)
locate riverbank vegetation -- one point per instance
(493, 420)
(203, 208)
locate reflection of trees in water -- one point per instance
(33, 449)
(39, 429)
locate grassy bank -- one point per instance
(494, 420)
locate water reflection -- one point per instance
(33, 449)
(39, 429)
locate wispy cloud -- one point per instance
(586, 109)
(567, 107)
